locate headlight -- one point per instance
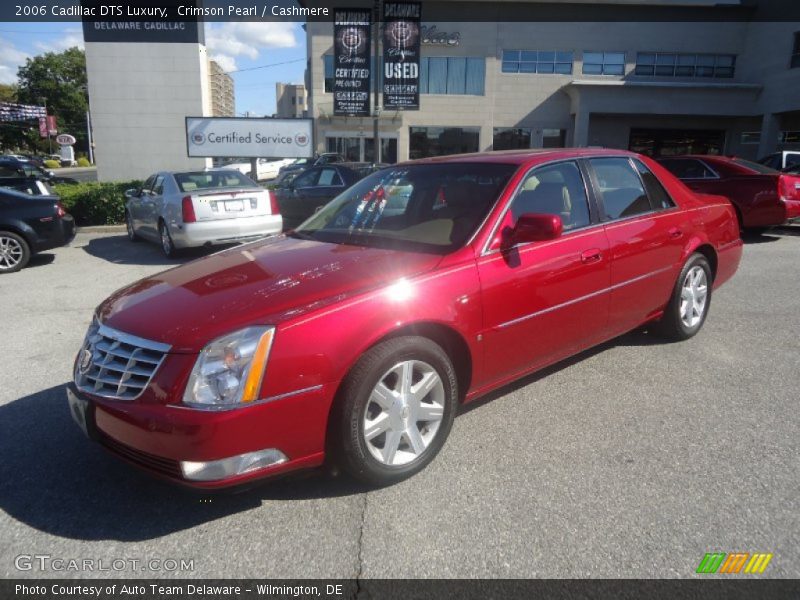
(230, 369)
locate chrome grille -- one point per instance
(113, 364)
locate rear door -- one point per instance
(646, 232)
(295, 202)
(150, 207)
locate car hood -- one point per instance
(266, 282)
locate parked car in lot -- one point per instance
(16, 167)
(268, 168)
(793, 169)
(762, 196)
(29, 225)
(781, 160)
(200, 208)
(315, 187)
(355, 338)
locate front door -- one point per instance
(546, 300)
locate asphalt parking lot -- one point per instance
(630, 460)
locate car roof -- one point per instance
(521, 157)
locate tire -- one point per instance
(129, 228)
(167, 246)
(14, 252)
(681, 321)
(374, 441)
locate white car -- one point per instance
(200, 208)
(781, 160)
(268, 168)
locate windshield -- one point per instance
(200, 180)
(763, 169)
(428, 208)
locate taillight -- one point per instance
(187, 210)
(789, 187)
(273, 203)
(60, 212)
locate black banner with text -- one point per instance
(351, 62)
(401, 55)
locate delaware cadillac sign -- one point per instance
(401, 53)
(351, 62)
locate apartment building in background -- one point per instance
(223, 97)
(291, 100)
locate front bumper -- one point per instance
(223, 231)
(158, 438)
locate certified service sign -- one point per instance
(248, 138)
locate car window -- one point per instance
(148, 184)
(9, 171)
(659, 198)
(307, 179)
(688, 168)
(329, 177)
(758, 168)
(619, 187)
(158, 185)
(773, 161)
(188, 182)
(427, 208)
(554, 190)
(792, 158)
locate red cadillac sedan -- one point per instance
(762, 196)
(354, 338)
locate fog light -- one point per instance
(235, 465)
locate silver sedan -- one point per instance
(200, 208)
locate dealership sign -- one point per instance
(65, 139)
(218, 137)
(151, 23)
(351, 62)
(401, 55)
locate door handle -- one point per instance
(591, 256)
(675, 233)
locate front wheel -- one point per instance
(129, 228)
(394, 411)
(691, 297)
(167, 246)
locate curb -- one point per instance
(101, 229)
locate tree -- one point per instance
(8, 92)
(59, 81)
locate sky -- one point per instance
(241, 48)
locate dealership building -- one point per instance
(659, 77)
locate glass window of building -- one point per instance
(554, 138)
(511, 138)
(670, 64)
(440, 141)
(452, 75)
(532, 61)
(603, 63)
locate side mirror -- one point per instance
(531, 227)
(130, 193)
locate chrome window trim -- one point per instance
(486, 251)
(605, 290)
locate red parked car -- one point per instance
(763, 197)
(427, 284)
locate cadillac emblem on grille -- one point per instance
(86, 360)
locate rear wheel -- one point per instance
(14, 252)
(167, 247)
(691, 298)
(129, 228)
(395, 410)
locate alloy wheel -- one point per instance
(11, 253)
(166, 241)
(403, 413)
(694, 294)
